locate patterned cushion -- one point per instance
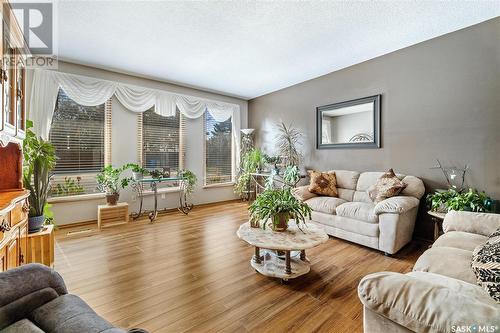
(388, 185)
(323, 183)
(486, 265)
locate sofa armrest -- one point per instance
(427, 305)
(476, 223)
(302, 193)
(396, 205)
(21, 281)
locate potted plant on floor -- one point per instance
(189, 179)
(110, 182)
(276, 207)
(39, 160)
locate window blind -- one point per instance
(161, 141)
(78, 133)
(218, 150)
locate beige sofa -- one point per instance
(386, 226)
(441, 294)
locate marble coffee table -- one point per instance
(270, 263)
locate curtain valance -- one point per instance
(90, 92)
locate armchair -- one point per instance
(34, 298)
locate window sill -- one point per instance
(219, 185)
(80, 197)
(162, 190)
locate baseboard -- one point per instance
(169, 210)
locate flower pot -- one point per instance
(35, 223)
(280, 222)
(112, 199)
(137, 175)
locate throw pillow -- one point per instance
(302, 193)
(388, 185)
(486, 265)
(323, 183)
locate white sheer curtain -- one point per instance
(90, 92)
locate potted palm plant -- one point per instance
(39, 160)
(110, 182)
(277, 206)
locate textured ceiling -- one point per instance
(247, 49)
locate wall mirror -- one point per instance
(351, 124)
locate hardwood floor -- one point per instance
(192, 274)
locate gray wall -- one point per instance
(440, 99)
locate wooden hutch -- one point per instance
(14, 204)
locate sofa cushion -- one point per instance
(323, 183)
(22, 326)
(388, 185)
(414, 187)
(346, 179)
(367, 179)
(302, 193)
(424, 303)
(358, 210)
(460, 240)
(69, 313)
(324, 204)
(23, 306)
(486, 265)
(346, 194)
(396, 205)
(448, 261)
(347, 224)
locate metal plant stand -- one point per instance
(138, 188)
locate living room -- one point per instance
(313, 166)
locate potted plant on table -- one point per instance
(277, 206)
(109, 181)
(138, 172)
(471, 200)
(39, 160)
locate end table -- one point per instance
(438, 219)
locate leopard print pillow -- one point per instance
(323, 183)
(486, 265)
(388, 185)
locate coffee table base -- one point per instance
(275, 267)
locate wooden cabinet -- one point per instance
(3, 259)
(12, 79)
(13, 253)
(23, 242)
(13, 197)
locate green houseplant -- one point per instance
(138, 172)
(470, 200)
(278, 206)
(110, 182)
(251, 161)
(39, 160)
(189, 179)
(288, 139)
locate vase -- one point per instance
(35, 223)
(280, 222)
(112, 199)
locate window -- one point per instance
(78, 133)
(160, 141)
(218, 150)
